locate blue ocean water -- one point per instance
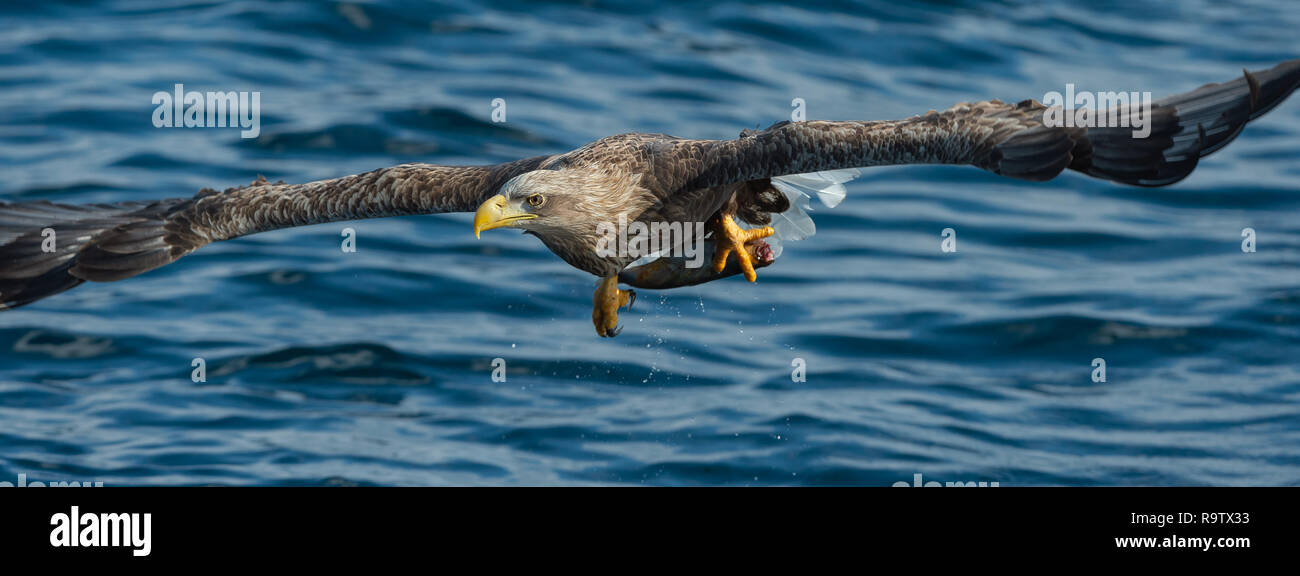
(374, 367)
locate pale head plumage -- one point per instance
(569, 205)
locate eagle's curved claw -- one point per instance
(731, 239)
(605, 304)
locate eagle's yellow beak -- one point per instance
(497, 212)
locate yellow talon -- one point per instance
(731, 238)
(605, 304)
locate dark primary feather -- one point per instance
(27, 271)
(1186, 128)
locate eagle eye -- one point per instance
(536, 200)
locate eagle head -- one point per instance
(564, 208)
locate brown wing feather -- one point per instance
(114, 241)
(1007, 139)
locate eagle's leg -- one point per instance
(605, 304)
(731, 239)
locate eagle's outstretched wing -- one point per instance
(46, 248)
(1008, 139)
